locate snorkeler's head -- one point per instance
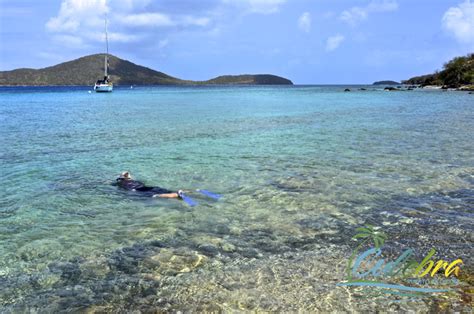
(125, 175)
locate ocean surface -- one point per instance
(299, 168)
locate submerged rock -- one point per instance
(208, 249)
(250, 253)
(172, 262)
(228, 247)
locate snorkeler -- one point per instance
(126, 182)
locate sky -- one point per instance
(307, 41)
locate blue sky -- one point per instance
(307, 41)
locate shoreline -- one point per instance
(375, 87)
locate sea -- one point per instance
(299, 168)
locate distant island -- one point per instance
(86, 70)
(457, 73)
(386, 83)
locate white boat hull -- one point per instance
(103, 87)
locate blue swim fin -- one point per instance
(210, 194)
(188, 200)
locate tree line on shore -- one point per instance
(456, 73)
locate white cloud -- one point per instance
(76, 13)
(355, 15)
(129, 5)
(146, 19)
(333, 42)
(193, 21)
(161, 20)
(382, 6)
(304, 22)
(257, 6)
(123, 37)
(460, 22)
(265, 6)
(82, 21)
(163, 43)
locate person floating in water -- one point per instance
(126, 182)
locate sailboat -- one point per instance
(105, 85)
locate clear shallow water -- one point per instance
(299, 167)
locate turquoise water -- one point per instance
(300, 168)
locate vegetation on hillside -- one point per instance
(386, 83)
(87, 70)
(456, 73)
(250, 79)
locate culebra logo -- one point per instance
(403, 276)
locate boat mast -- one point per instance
(107, 49)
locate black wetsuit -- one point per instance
(133, 185)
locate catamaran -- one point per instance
(105, 85)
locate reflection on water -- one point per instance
(299, 167)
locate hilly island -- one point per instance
(86, 70)
(456, 73)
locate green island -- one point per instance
(386, 83)
(86, 70)
(457, 73)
